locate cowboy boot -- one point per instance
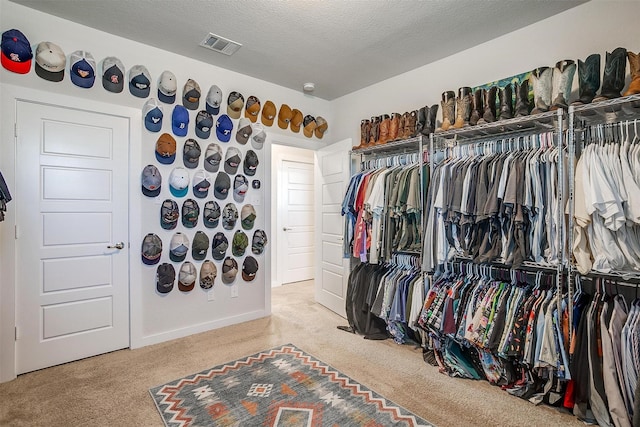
(478, 107)
(522, 99)
(489, 114)
(541, 81)
(365, 128)
(634, 67)
(430, 125)
(615, 68)
(562, 82)
(410, 124)
(463, 107)
(448, 109)
(588, 79)
(393, 127)
(375, 130)
(401, 124)
(422, 119)
(505, 96)
(384, 129)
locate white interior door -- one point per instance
(332, 270)
(298, 221)
(72, 298)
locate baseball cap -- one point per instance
(247, 216)
(229, 216)
(221, 186)
(244, 131)
(50, 61)
(191, 95)
(229, 270)
(250, 163)
(178, 247)
(151, 181)
(249, 268)
(211, 214)
(180, 120)
(212, 157)
(82, 69)
(165, 276)
(296, 120)
(309, 124)
(179, 182)
(153, 113)
(208, 273)
(204, 123)
(151, 249)
(214, 99)
(191, 153)
(112, 74)
(321, 127)
(252, 108)
(258, 137)
(169, 214)
(190, 213)
(139, 81)
(201, 184)
(240, 242)
(167, 87)
(232, 160)
(166, 149)
(200, 246)
(284, 116)
(268, 113)
(258, 242)
(240, 188)
(16, 53)
(235, 101)
(187, 276)
(224, 126)
(219, 246)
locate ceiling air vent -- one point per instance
(220, 44)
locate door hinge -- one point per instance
(15, 130)
(16, 334)
(17, 232)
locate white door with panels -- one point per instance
(72, 290)
(332, 270)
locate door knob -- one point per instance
(117, 246)
(287, 228)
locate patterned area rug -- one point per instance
(280, 387)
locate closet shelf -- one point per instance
(624, 275)
(393, 146)
(609, 111)
(499, 263)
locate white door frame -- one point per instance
(8, 259)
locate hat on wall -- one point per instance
(211, 214)
(219, 246)
(258, 242)
(321, 127)
(258, 137)
(152, 113)
(190, 213)
(204, 123)
(252, 108)
(179, 247)
(50, 62)
(201, 184)
(169, 214)
(179, 182)
(229, 216)
(16, 53)
(165, 149)
(191, 153)
(232, 160)
(165, 276)
(239, 243)
(221, 186)
(214, 99)
(200, 246)
(250, 164)
(82, 69)
(151, 181)
(247, 216)
(240, 188)
(229, 270)
(187, 276)
(284, 116)
(208, 273)
(244, 131)
(191, 95)
(180, 121)
(249, 268)
(296, 120)
(212, 157)
(309, 125)
(151, 249)
(112, 74)
(224, 127)
(167, 87)
(235, 102)
(268, 113)
(139, 81)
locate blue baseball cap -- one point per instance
(224, 126)
(180, 121)
(83, 69)
(153, 114)
(16, 52)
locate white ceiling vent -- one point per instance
(220, 44)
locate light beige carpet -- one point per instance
(112, 389)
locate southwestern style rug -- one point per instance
(281, 387)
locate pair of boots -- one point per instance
(485, 109)
(456, 111)
(427, 120)
(612, 79)
(552, 86)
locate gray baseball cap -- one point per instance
(200, 246)
(191, 153)
(229, 270)
(212, 157)
(187, 276)
(151, 181)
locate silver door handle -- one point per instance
(287, 228)
(116, 246)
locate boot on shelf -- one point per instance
(431, 113)
(375, 130)
(541, 82)
(615, 68)
(448, 109)
(410, 124)
(401, 124)
(393, 127)
(463, 107)
(522, 99)
(383, 138)
(365, 129)
(422, 119)
(477, 109)
(489, 114)
(505, 96)
(588, 79)
(562, 81)
(634, 67)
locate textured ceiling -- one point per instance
(340, 45)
